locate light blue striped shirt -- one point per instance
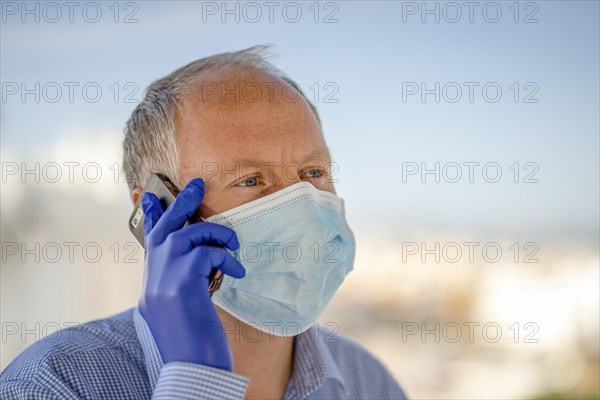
(116, 358)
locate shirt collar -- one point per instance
(313, 361)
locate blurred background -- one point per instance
(467, 140)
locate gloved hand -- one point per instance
(176, 303)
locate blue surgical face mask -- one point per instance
(297, 249)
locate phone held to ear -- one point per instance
(166, 192)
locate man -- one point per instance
(246, 148)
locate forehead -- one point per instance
(244, 114)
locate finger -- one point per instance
(217, 257)
(205, 233)
(184, 206)
(152, 212)
(225, 262)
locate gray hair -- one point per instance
(149, 145)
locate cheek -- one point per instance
(207, 211)
(333, 189)
(325, 184)
(211, 201)
(210, 204)
(216, 203)
(330, 188)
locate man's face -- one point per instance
(247, 136)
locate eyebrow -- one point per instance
(322, 152)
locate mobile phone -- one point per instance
(166, 191)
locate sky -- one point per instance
(358, 63)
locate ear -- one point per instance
(136, 193)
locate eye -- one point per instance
(252, 181)
(314, 173)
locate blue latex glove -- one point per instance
(176, 303)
